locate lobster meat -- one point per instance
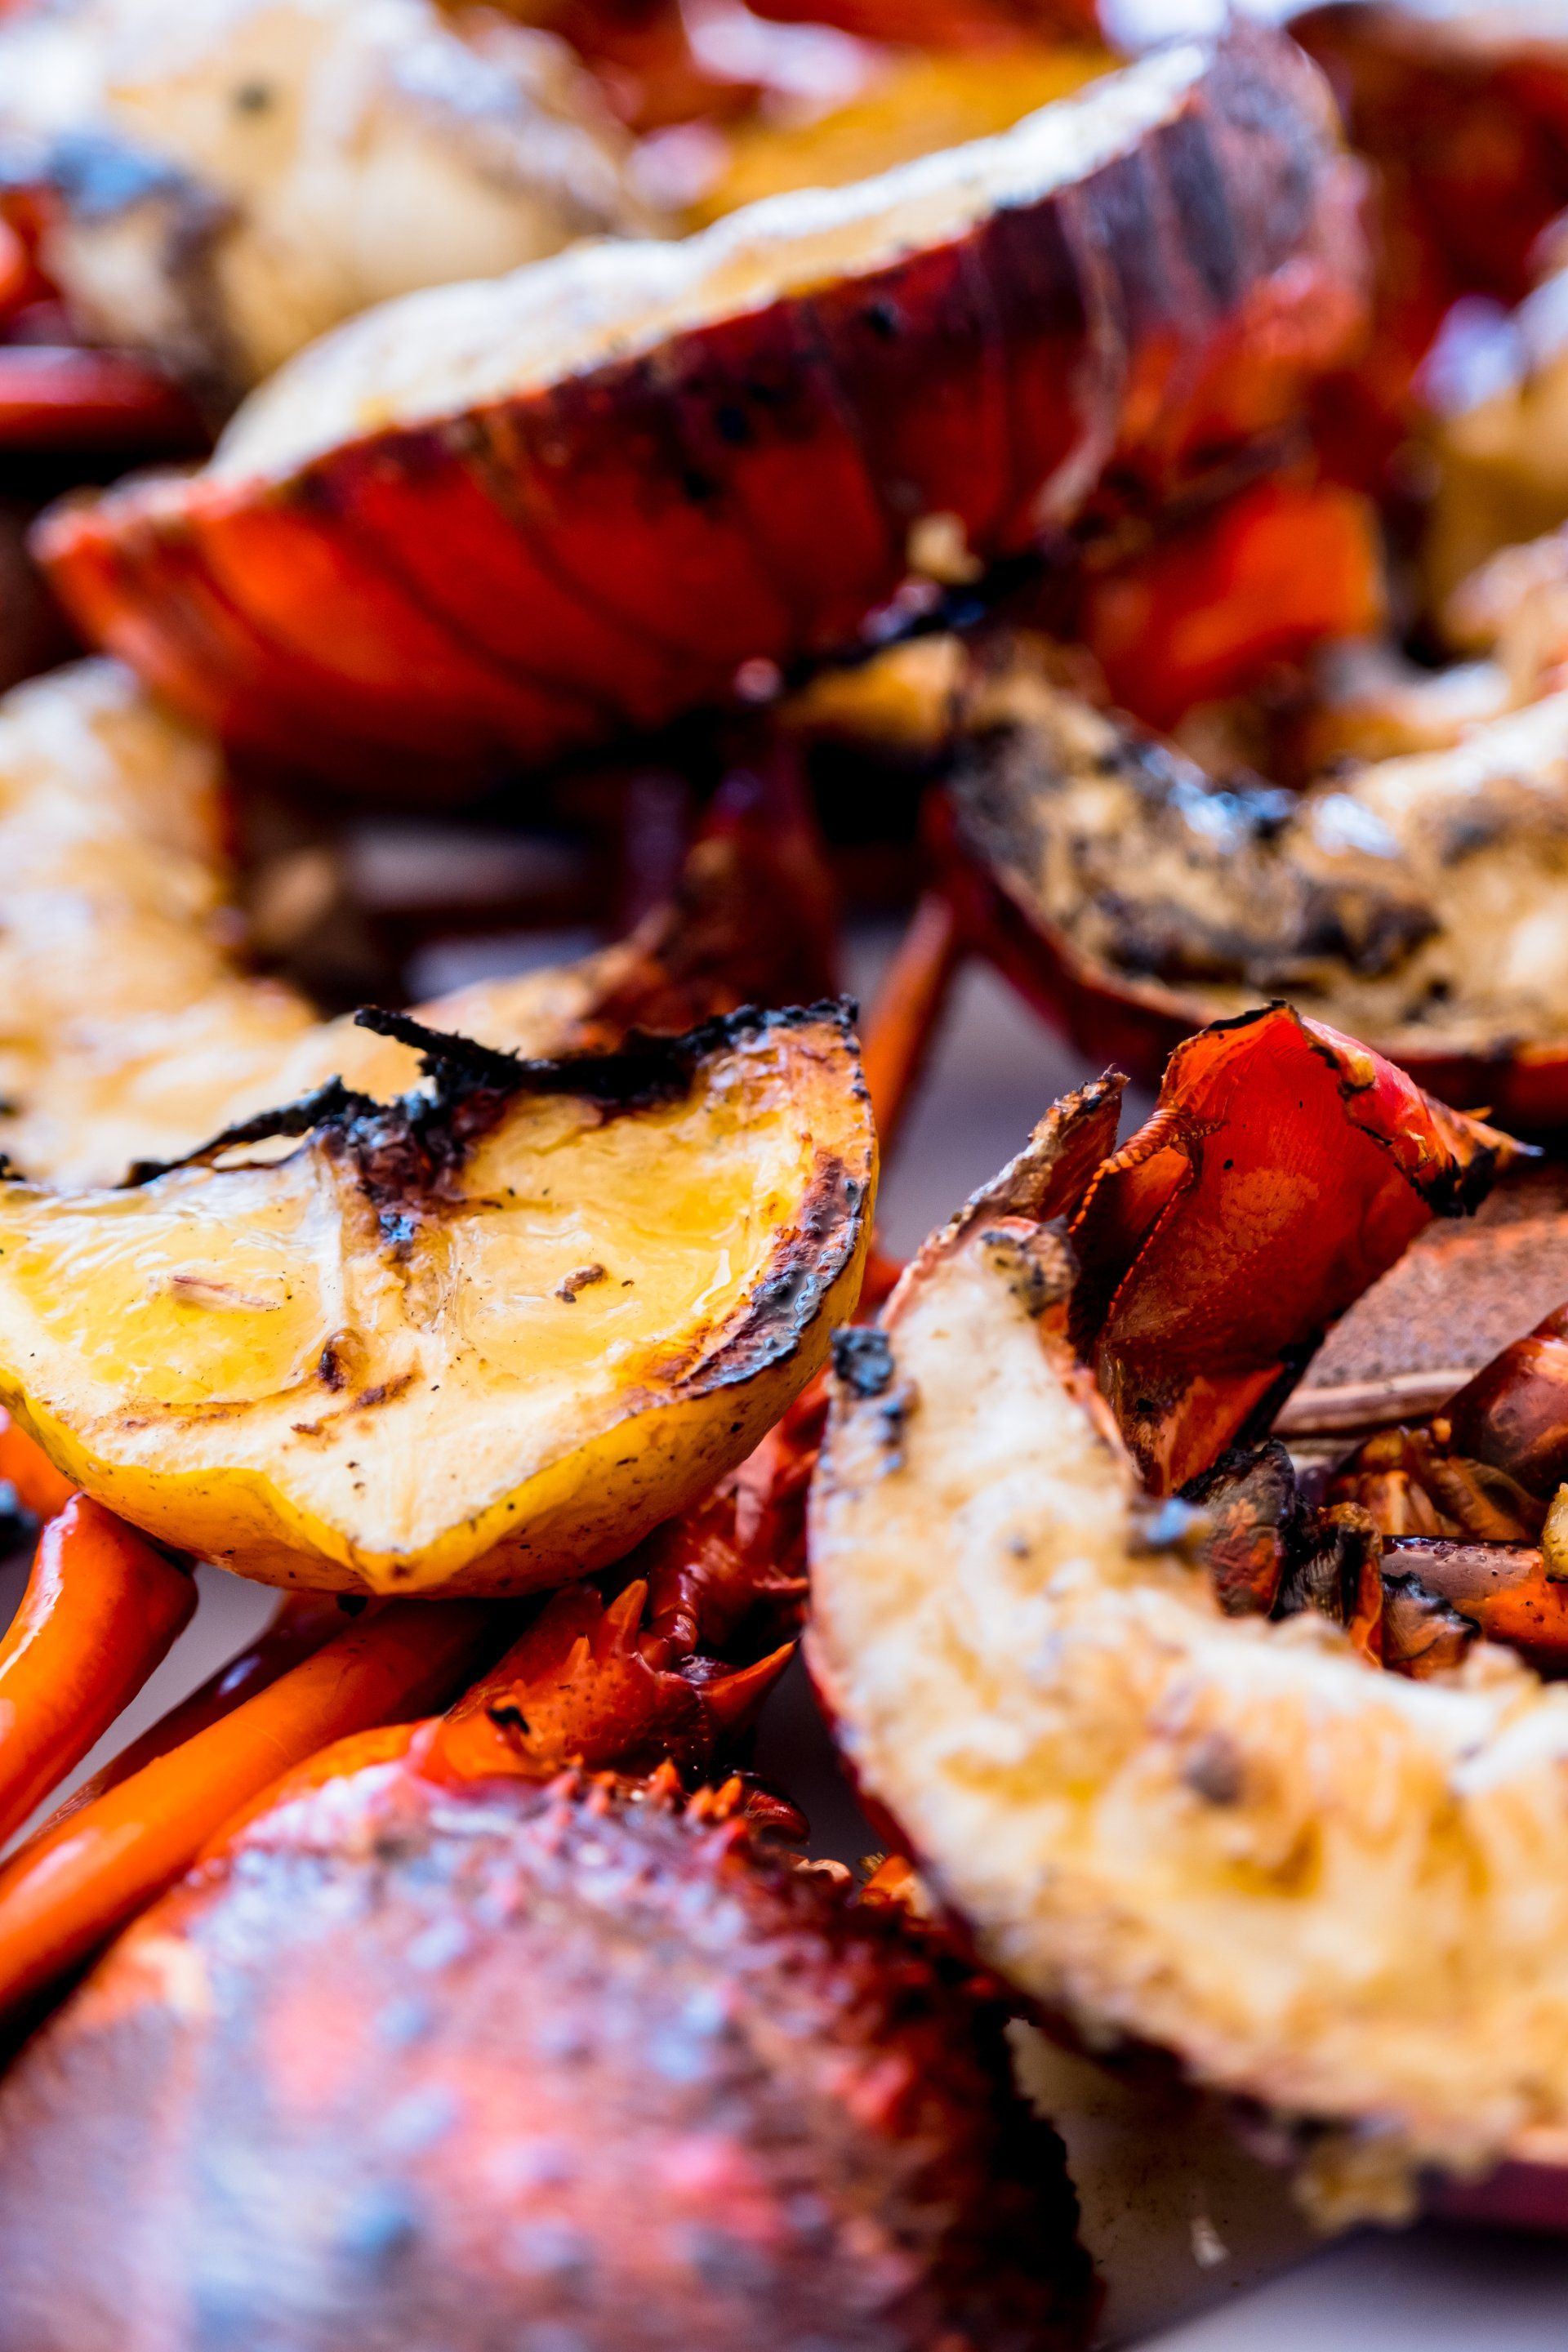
(1172, 1800)
(1129, 892)
(807, 2097)
(510, 521)
(211, 187)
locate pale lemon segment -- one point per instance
(429, 1350)
(168, 1304)
(616, 1234)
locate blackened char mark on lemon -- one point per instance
(409, 1150)
(802, 1268)
(331, 1100)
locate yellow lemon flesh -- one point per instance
(477, 1341)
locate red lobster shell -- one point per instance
(635, 471)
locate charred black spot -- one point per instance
(1468, 836)
(1214, 1770)
(1039, 1267)
(643, 1072)
(330, 1369)
(379, 1394)
(883, 319)
(582, 1277)
(321, 1105)
(406, 1152)
(733, 425)
(802, 1270)
(863, 1359)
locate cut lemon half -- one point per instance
(478, 1340)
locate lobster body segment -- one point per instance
(674, 470)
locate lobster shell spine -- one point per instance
(644, 467)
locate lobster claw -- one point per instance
(1285, 1167)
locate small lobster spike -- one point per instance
(644, 1675)
(1285, 1167)
(579, 1689)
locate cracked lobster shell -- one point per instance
(501, 523)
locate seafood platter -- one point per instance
(535, 539)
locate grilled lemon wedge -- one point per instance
(476, 1340)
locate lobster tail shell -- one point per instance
(510, 521)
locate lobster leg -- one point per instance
(101, 1610)
(1487, 1466)
(897, 1038)
(38, 1486)
(75, 1882)
(302, 1623)
(1469, 1502)
(666, 1659)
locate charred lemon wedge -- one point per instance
(476, 1340)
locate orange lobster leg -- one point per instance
(302, 1623)
(1505, 1590)
(25, 1466)
(100, 1609)
(1284, 1169)
(1489, 1464)
(898, 1037)
(73, 1885)
(63, 396)
(1513, 1415)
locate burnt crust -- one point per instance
(1246, 913)
(412, 1147)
